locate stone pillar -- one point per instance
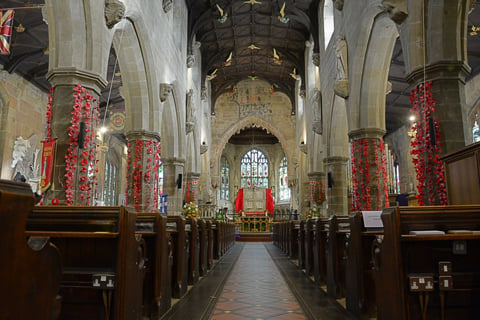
(64, 81)
(318, 195)
(190, 187)
(448, 90)
(337, 188)
(369, 170)
(173, 183)
(142, 171)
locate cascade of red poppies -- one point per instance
(317, 191)
(426, 147)
(143, 174)
(369, 178)
(190, 191)
(80, 159)
(48, 116)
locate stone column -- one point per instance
(173, 183)
(448, 90)
(142, 171)
(337, 188)
(64, 81)
(369, 171)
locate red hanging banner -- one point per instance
(48, 153)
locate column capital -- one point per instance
(173, 161)
(335, 159)
(316, 176)
(441, 70)
(143, 135)
(72, 76)
(367, 133)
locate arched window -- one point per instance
(254, 169)
(225, 184)
(328, 21)
(284, 190)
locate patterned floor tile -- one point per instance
(256, 290)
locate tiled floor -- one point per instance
(256, 281)
(256, 290)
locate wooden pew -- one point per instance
(308, 245)
(320, 234)
(30, 272)
(203, 248)
(210, 244)
(292, 235)
(157, 292)
(421, 274)
(103, 259)
(301, 245)
(360, 291)
(338, 230)
(181, 252)
(192, 227)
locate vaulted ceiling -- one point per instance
(256, 39)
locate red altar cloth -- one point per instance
(269, 202)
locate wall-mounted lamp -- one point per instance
(203, 147)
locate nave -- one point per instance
(255, 280)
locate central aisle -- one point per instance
(256, 290)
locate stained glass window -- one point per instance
(283, 188)
(254, 169)
(225, 174)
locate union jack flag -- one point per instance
(6, 26)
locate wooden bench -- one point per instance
(157, 292)
(203, 230)
(360, 286)
(292, 239)
(301, 245)
(338, 230)
(192, 227)
(308, 246)
(103, 259)
(421, 273)
(30, 272)
(320, 234)
(210, 244)
(181, 252)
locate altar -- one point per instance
(254, 208)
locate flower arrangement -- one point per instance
(190, 210)
(312, 213)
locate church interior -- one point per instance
(240, 159)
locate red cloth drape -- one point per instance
(268, 196)
(269, 201)
(239, 201)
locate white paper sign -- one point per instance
(372, 219)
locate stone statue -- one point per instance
(26, 162)
(341, 55)
(114, 12)
(190, 112)
(341, 77)
(167, 5)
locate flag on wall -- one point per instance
(6, 26)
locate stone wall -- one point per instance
(22, 113)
